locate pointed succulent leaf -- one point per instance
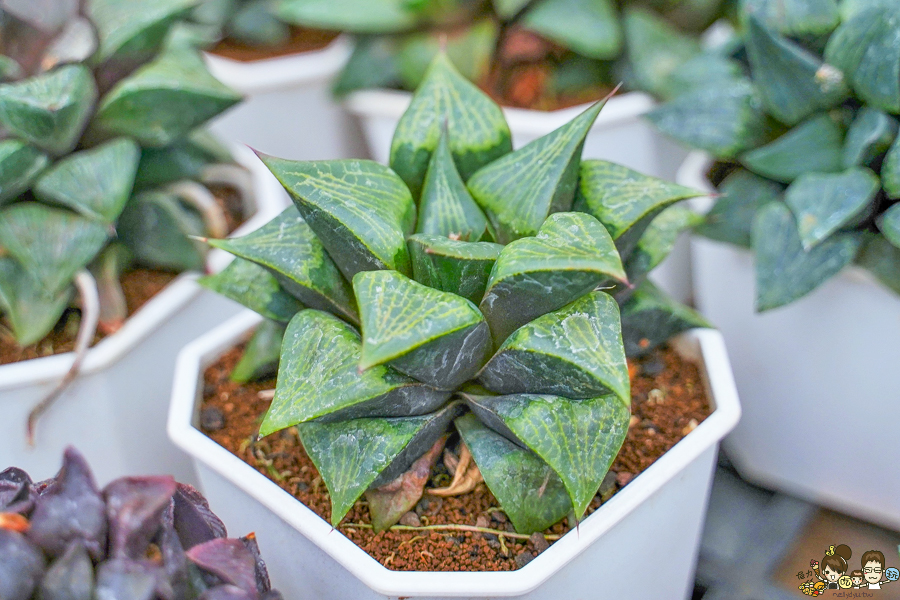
(519, 190)
(792, 82)
(469, 49)
(261, 354)
(289, 249)
(889, 224)
(742, 195)
(579, 439)
(723, 118)
(658, 240)
(866, 48)
(589, 27)
(785, 271)
(22, 566)
(51, 244)
(625, 201)
(477, 132)
(446, 208)
(655, 49)
(31, 311)
(129, 27)
(229, 559)
(155, 226)
(181, 160)
(700, 71)
(890, 171)
(69, 577)
(574, 352)
(462, 268)
(571, 255)
(822, 203)
(794, 17)
(49, 110)
(134, 508)
(95, 183)
(359, 210)
(20, 164)
(319, 377)
(256, 288)
(650, 318)
(17, 493)
(163, 100)
(528, 489)
(882, 259)
(349, 455)
(194, 522)
(814, 146)
(869, 136)
(353, 16)
(437, 337)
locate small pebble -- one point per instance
(209, 390)
(523, 558)
(539, 542)
(692, 425)
(492, 540)
(623, 478)
(211, 419)
(608, 486)
(429, 506)
(482, 521)
(302, 486)
(634, 420)
(652, 367)
(410, 519)
(498, 516)
(474, 551)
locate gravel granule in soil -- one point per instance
(301, 40)
(668, 401)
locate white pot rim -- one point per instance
(253, 77)
(393, 103)
(185, 399)
(692, 174)
(159, 308)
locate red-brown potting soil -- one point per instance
(301, 40)
(668, 402)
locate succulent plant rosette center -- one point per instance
(466, 288)
(802, 110)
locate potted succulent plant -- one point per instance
(104, 177)
(283, 70)
(800, 260)
(486, 286)
(139, 537)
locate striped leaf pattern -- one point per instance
(451, 265)
(254, 287)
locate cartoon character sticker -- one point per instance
(831, 573)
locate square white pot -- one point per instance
(288, 110)
(642, 544)
(115, 412)
(819, 379)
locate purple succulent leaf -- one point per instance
(16, 491)
(227, 592)
(194, 521)
(134, 508)
(262, 573)
(126, 579)
(227, 559)
(70, 577)
(70, 509)
(174, 561)
(21, 566)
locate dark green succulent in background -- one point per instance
(466, 285)
(803, 115)
(249, 22)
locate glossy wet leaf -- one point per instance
(30, 310)
(134, 508)
(477, 133)
(578, 438)
(575, 352)
(723, 118)
(822, 203)
(356, 16)
(359, 210)
(254, 287)
(624, 200)
(49, 110)
(133, 27)
(792, 81)
(742, 195)
(870, 135)
(229, 560)
(520, 190)
(794, 17)
(889, 224)
(462, 268)
(319, 377)
(22, 565)
(20, 164)
(589, 27)
(655, 49)
(289, 249)
(814, 146)
(866, 48)
(155, 226)
(571, 255)
(349, 455)
(785, 271)
(163, 100)
(95, 183)
(437, 337)
(882, 259)
(890, 171)
(528, 489)
(446, 208)
(658, 240)
(650, 318)
(261, 354)
(51, 244)
(69, 577)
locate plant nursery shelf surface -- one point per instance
(668, 402)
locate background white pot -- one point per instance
(288, 109)
(819, 379)
(115, 412)
(653, 525)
